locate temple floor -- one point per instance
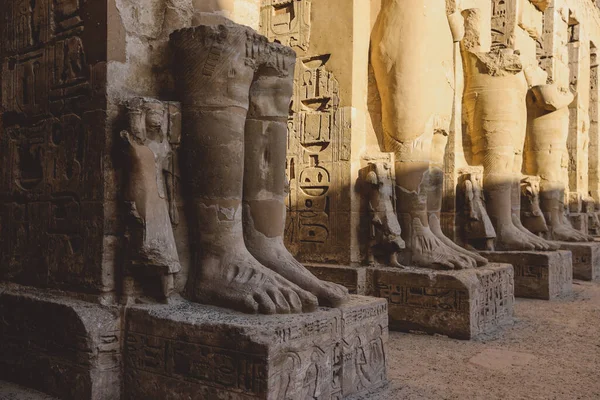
(551, 352)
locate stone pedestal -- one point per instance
(459, 304)
(538, 274)
(586, 259)
(66, 348)
(355, 279)
(186, 350)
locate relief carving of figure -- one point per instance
(417, 94)
(385, 232)
(149, 152)
(478, 231)
(531, 213)
(235, 88)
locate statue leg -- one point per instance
(413, 186)
(264, 184)
(538, 242)
(214, 80)
(548, 141)
(494, 146)
(436, 193)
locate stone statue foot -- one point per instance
(236, 280)
(430, 252)
(510, 238)
(436, 228)
(538, 242)
(278, 259)
(566, 233)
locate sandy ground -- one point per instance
(552, 351)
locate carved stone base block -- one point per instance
(459, 304)
(189, 351)
(64, 347)
(586, 259)
(538, 274)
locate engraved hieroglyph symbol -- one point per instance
(317, 134)
(285, 376)
(287, 21)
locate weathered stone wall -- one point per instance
(53, 145)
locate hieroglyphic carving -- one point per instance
(363, 347)
(504, 23)
(495, 300)
(295, 332)
(424, 297)
(51, 184)
(212, 366)
(287, 21)
(560, 280)
(318, 165)
(333, 353)
(530, 271)
(364, 359)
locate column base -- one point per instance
(459, 304)
(186, 350)
(586, 259)
(545, 275)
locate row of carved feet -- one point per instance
(432, 249)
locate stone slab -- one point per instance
(66, 348)
(586, 259)
(545, 275)
(10, 391)
(459, 304)
(353, 278)
(190, 351)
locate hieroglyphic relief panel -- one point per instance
(363, 349)
(452, 300)
(504, 23)
(203, 364)
(495, 299)
(287, 21)
(318, 166)
(560, 279)
(51, 184)
(326, 355)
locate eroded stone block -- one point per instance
(586, 259)
(186, 350)
(538, 275)
(353, 278)
(64, 347)
(459, 304)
